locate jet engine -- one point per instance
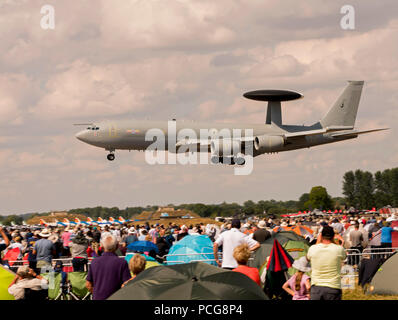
(267, 143)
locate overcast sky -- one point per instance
(152, 59)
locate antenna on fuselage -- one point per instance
(274, 98)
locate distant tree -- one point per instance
(302, 201)
(394, 186)
(366, 190)
(319, 198)
(349, 188)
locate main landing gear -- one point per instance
(239, 160)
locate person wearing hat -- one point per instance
(299, 284)
(44, 249)
(132, 237)
(262, 233)
(326, 259)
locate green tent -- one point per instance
(385, 281)
(190, 281)
(294, 244)
(6, 277)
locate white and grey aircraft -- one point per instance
(269, 137)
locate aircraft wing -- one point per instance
(207, 142)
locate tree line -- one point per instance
(364, 190)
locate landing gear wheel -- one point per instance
(215, 160)
(110, 157)
(240, 161)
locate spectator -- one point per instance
(30, 247)
(78, 250)
(326, 259)
(17, 243)
(241, 255)
(132, 237)
(5, 242)
(299, 285)
(108, 272)
(66, 242)
(26, 279)
(337, 226)
(356, 239)
(183, 232)
(137, 264)
(143, 235)
(386, 237)
(44, 249)
(96, 235)
(230, 240)
(262, 233)
(162, 244)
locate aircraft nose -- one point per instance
(82, 135)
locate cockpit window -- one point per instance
(93, 128)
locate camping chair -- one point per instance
(56, 289)
(77, 286)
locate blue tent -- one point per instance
(142, 246)
(192, 248)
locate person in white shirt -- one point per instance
(230, 240)
(26, 278)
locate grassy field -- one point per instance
(357, 294)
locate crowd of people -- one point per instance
(97, 251)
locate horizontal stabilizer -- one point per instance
(355, 132)
(316, 131)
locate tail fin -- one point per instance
(344, 111)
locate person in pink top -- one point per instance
(299, 285)
(66, 242)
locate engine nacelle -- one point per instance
(225, 147)
(267, 143)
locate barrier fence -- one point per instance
(354, 257)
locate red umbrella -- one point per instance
(279, 259)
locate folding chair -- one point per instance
(56, 289)
(77, 286)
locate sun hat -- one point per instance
(45, 233)
(301, 264)
(132, 230)
(261, 224)
(283, 224)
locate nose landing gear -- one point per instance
(111, 156)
